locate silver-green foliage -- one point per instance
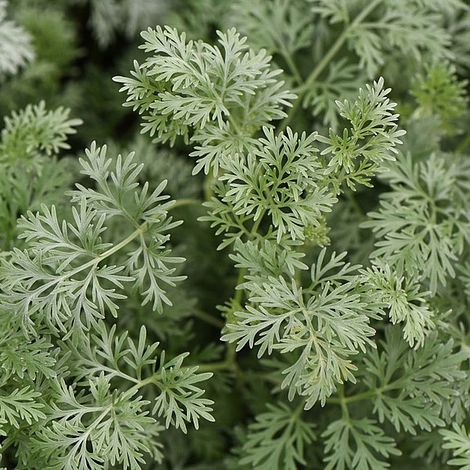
(270, 193)
(422, 223)
(278, 436)
(363, 362)
(74, 382)
(66, 277)
(324, 323)
(457, 441)
(15, 45)
(30, 172)
(109, 18)
(220, 93)
(106, 424)
(349, 42)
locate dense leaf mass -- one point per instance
(250, 251)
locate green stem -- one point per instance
(234, 124)
(334, 49)
(286, 121)
(343, 403)
(229, 363)
(185, 202)
(231, 355)
(230, 360)
(239, 292)
(291, 64)
(231, 348)
(209, 319)
(96, 423)
(136, 233)
(254, 229)
(115, 248)
(208, 186)
(213, 366)
(358, 397)
(142, 383)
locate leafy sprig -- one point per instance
(64, 277)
